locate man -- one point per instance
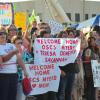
(45, 31)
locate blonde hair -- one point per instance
(2, 29)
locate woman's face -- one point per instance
(64, 35)
(46, 35)
(96, 35)
(93, 42)
(12, 32)
(2, 37)
(18, 43)
(26, 43)
(71, 35)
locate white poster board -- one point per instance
(56, 50)
(43, 78)
(96, 72)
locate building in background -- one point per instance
(76, 10)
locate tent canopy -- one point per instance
(89, 23)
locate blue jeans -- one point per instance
(65, 86)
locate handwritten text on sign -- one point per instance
(6, 14)
(96, 72)
(43, 78)
(56, 50)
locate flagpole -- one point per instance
(49, 9)
(83, 10)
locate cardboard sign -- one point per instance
(96, 72)
(56, 50)
(43, 78)
(20, 20)
(6, 14)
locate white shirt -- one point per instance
(11, 67)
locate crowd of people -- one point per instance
(16, 49)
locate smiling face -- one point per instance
(92, 42)
(2, 37)
(12, 31)
(18, 43)
(47, 35)
(71, 35)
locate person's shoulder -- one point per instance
(10, 45)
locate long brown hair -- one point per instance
(94, 48)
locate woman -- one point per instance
(24, 51)
(17, 41)
(12, 31)
(92, 52)
(50, 95)
(67, 73)
(8, 70)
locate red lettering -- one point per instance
(34, 85)
(35, 79)
(45, 67)
(50, 78)
(48, 47)
(71, 41)
(44, 85)
(48, 53)
(67, 53)
(54, 60)
(68, 47)
(45, 72)
(49, 41)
